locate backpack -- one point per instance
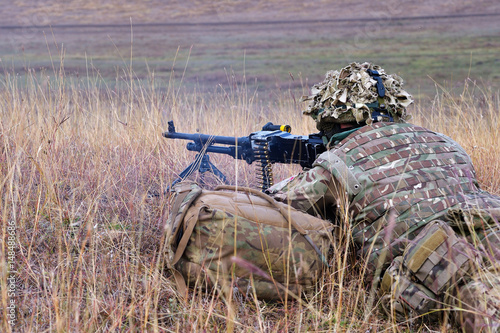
(242, 238)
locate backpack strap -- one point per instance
(181, 246)
(180, 283)
(190, 223)
(186, 193)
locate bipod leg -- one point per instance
(202, 164)
(195, 165)
(206, 165)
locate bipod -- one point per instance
(201, 164)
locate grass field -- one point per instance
(274, 45)
(77, 163)
(288, 57)
(81, 115)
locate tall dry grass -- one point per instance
(78, 160)
(470, 117)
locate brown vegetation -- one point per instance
(48, 12)
(78, 161)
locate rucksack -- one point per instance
(242, 238)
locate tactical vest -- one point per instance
(399, 177)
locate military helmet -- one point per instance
(358, 93)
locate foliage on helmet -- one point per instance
(351, 95)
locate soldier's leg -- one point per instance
(480, 297)
(477, 303)
(403, 298)
(427, 278)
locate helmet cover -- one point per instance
(351, 95)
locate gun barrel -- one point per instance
(231, 151)
(204, 138)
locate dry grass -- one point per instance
(77, 161)
(472, 119)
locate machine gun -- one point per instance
(273, 144)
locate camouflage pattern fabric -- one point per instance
(347, 95)
(479, 303)
(480, 226)
(407, 177)
(402, 296)
(244, 240)
(432, 268)
(439, 258)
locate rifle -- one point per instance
(272, 144)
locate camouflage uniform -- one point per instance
(427, 233)
(393, 180)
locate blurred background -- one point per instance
(265, 46)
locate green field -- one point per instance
(264, 55)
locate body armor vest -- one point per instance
(399, 177)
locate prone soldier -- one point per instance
(426, 231)
(418, 217)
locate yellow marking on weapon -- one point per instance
(286, 128)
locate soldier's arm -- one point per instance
(314, 191)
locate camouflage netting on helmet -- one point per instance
(347, 95)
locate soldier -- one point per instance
(427, 232)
